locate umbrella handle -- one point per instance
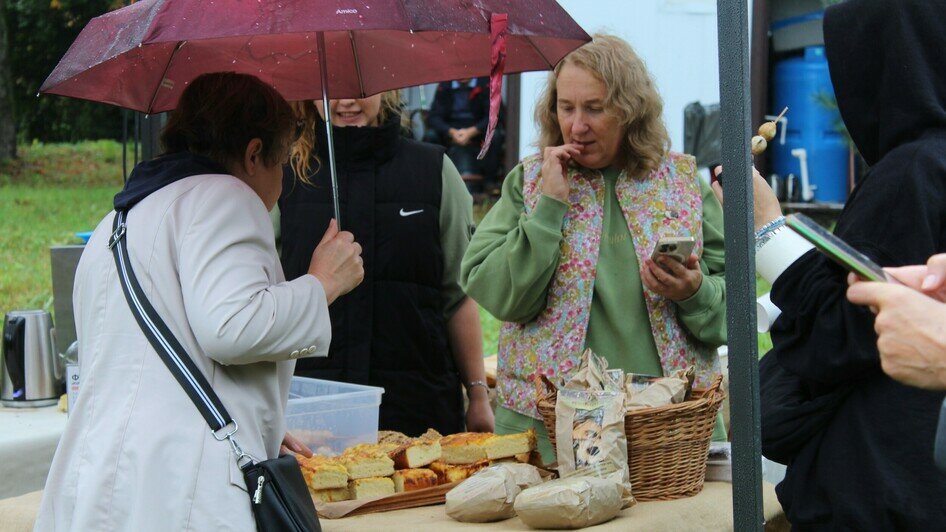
(329, 138)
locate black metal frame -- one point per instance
(733, 34)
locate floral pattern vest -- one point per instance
(667, 203)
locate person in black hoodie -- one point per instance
(859, 445)
(409, 328)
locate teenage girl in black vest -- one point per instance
(409, 327)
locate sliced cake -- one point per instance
(509, 445)
(450, 473)
(391, 436)
(464, 448)
(414, 479)
(366, 462)
(322, 472)
(370, 488)
(332, 495)
(416, 454)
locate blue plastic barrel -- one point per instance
(803, 84)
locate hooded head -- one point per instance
(888, 65)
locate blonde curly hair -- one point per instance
(632, 97)
(304, 149)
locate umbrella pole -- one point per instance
(323, 71)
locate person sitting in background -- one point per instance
(564, 257)
(457, 120)
(409, 328)
(858, 444)
(910, 322)
(136, 453)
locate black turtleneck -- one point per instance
(391, 330)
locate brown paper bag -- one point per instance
(589, 433)
(591, 373)
(660, 391)
(569, 503)
(489, 494)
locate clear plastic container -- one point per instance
(331, 416)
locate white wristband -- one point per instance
(779, 252)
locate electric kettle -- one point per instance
(30, 373)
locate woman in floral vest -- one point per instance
(564, 257)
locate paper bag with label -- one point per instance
(589, 432)
(489, 494)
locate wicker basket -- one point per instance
(667, 446)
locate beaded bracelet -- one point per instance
(763, 235)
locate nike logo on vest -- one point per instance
(410, 213)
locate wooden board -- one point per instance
(399, 501)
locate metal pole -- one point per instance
(733, 28)
(323, 70)
(124, 145)
(150, 136)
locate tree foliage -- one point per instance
(7, 125)
(40, 33)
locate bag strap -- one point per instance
(172, 353)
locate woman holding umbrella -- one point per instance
(564, 257)
(409, 327)
(136, 454)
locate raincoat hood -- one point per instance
(887, 67)
(153, 175)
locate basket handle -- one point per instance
(717, 382)
(544, 388)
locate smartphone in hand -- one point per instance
(837, 250)
(677, 248)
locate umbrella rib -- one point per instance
(354, 53)
(536, 48)
(154, 95)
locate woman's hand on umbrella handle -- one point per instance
(336, 262)
(766, 205)
(292, 445)
(554, 169)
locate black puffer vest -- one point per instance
(391, 330)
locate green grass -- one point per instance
(46, 196)
(765, 341)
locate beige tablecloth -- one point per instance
(710, 510)
(28, 440)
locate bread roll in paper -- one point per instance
(570, 503)
(489, 494)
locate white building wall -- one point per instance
(676, 38)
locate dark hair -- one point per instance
(221, 112)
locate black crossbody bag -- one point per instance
(278, 493)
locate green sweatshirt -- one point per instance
(510, 262)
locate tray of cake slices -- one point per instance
(402, 472)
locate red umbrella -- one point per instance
(142, 56)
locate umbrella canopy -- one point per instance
(143, 56)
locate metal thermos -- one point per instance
(30, 373)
